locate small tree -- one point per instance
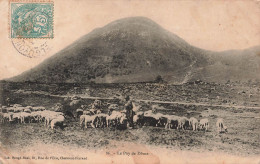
(159, 79)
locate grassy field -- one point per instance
(242, 138)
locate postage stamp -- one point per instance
(31, 19)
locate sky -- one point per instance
(212, 25)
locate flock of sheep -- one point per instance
(96, 119)
(19, 114)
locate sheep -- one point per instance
(18, 109)
(220, 126)
(7, 117)
(34, 108)
(112, 107)
(114, 118)
(4, 109)
(10, 109)
(58, 121)
(154, 119)
(204, 124)
(24, 116)
(148, 118)
(172, 121)
(148, 113)
(101, 120)
(17, 105)
(4, 117)
(183, 123)
(81, 120)
(37, 116)
(27, 110)
(138, 118)
(193, 122)
(41, 108)
(90, 119)
(49, 116)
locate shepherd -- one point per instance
(129, 111)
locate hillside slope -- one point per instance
(137, 49)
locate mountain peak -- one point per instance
(134, 20)
(137, 49)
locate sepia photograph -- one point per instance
(128, 81)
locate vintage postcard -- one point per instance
(129, 81)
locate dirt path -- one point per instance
(155, 101)
(202, 104)
(167, 102)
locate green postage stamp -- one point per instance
(31, 19)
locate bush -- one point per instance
(159, 79)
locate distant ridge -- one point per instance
(137, 49)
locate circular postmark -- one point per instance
(31, 48)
